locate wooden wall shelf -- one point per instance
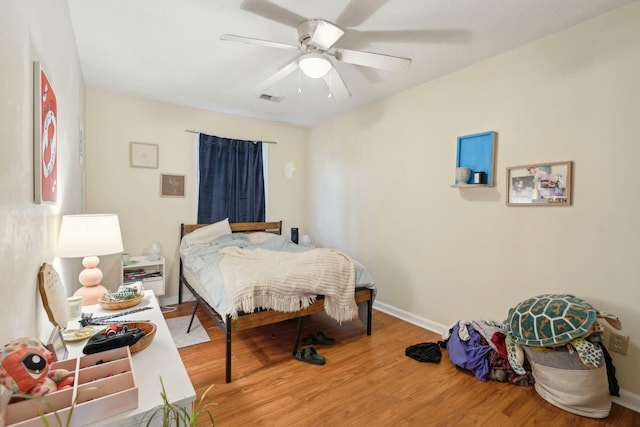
(469, 185)
(477, 152)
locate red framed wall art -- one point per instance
(45, 138)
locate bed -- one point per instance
(205, 247)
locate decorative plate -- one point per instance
(84, 333)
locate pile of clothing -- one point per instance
(479, 346)
(551, 341)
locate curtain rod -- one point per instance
(193, 131)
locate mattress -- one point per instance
(201, 265)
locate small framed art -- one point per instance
(56, 344)
(143, 155)
(542, 184)
(171, 185)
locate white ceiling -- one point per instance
(169, 50)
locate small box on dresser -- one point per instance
(104, 386)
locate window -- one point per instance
(231, 180)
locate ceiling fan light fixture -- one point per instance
(314, 65)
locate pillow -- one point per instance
(205, 235)
(259, 237)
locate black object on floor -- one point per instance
(424, 352)
(318, 339)
(309, 355)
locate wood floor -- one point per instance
(367, 381)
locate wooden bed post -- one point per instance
(180, 271)
(228, 358)
(369, 311)
(295, 344)
(195, 309)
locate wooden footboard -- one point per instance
(262, 317)
(267, 317)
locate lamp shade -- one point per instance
(89, 235)
(314, 65)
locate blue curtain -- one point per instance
(231, 180)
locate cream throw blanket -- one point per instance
(285, 281)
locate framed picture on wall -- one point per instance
(143, 155)
(45, 138)
(171, 185)
(542, 184)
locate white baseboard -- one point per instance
(627, 399)
(409, 317)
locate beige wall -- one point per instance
(113, 121)
(380, 184)
(34, 30)
(375, 183)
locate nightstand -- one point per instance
(149, 272)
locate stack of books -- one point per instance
(140, 275)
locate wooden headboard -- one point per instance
(274, 227)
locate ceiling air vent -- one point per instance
(271, 98)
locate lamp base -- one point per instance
(91, 294)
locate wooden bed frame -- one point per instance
(259, 317)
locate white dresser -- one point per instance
(161, 358)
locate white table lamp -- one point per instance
(90, 236)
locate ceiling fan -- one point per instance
(317, 50)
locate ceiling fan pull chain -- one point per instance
(299, 82)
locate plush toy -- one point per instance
(25, 368)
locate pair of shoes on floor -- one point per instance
(309, 355)
(318, 339)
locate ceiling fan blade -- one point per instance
(374, 60)
(358, 11)
(279, 75)
(336, 85)
(257, 42)
(319, 34)
(272, 12)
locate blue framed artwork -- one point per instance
(477, 152)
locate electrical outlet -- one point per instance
(618, 343)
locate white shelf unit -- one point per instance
(150, 272)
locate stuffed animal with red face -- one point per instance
(25, 368)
